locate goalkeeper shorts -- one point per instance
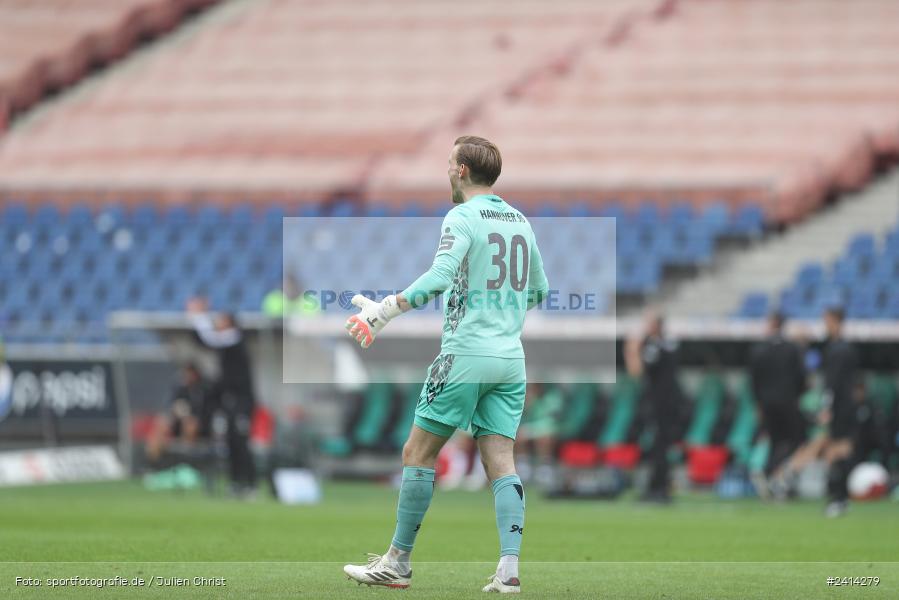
(484, 393)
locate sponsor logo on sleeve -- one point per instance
(446, 241)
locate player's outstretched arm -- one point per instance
(454, 242)
(373, 316)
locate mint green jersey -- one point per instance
(490, 269)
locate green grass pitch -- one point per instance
(699, 548)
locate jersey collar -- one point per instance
(485, 197)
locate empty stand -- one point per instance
(761, 102)
(864, 281)
(294, 95)
(49, 44)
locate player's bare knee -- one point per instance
(486, 466)
(409, 454)
(415, 455)
(497, 467)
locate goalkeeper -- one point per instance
(488, 263)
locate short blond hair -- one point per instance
(482, 158)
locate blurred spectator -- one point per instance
(233, 391)
(654, 357)
(189, 417)
(783, 479)
(6, 380)
(777, 373)
(538, 432)
(840, 366)
(868, 432)
(280, 303)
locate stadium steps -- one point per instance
(770, 265)
(136, 59)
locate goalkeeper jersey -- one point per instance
(488, 264)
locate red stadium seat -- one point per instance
(580, 454)
(706, 463)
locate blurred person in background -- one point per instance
(537, 435)
(653, 357)
(777, 373)
(840, 368)
(783, 479)
(233, 391)
(6, 380)
(189, 416)
(866, 431)
(282, 303)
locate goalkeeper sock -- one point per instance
(415, 497)
(508, 495)
(507, 567)
(399, 559)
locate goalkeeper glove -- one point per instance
(371, 318)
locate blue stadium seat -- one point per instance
(844, 273)
(648, 214)
(579, 209)
(439, 210)
(638, 275)
(891, 244)
(862, 244)
(110, 217)
(614, 210)
(81, 216)
(748, 221)
(15, 214)
(377, 210)
(681, 214)
(310, 211)
(810, 274)
(862, 303)
(865, 264)
(178, 216)
(47, 215)
(547, 210)
(273, 215)
(241, 215)
(209, 216)
(93, 333)
(886, 269)
(343, 209)
(685, 246)
(754, 306)
(890, 308)
(411, 210)
(145, 216)
(716, 218)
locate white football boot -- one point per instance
(379, 571)
(510, 586)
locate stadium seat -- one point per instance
(743, 429)
(368, 432)
(716, 218)
(377, 210)
(580, 405)
(707, 406)
(754, 306)
(409, 395)
(861, 279)
(622, 412)
(748, 221)
(862, 244)
(638, 275)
